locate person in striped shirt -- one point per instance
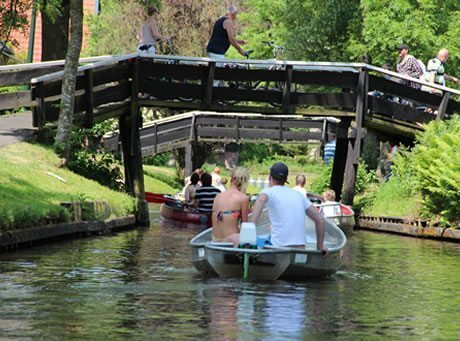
(206, 193)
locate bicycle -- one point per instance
(277, 51)
(167, 47)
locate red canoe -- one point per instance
(158, 198)
(176, 211)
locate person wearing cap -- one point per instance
(223, 35)
(150, 33)
(409, 66)
(287, 209)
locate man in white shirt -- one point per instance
(287, 209)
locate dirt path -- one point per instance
(15, 128)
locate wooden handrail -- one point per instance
(27, 66)
(106, 61)
(297, 65)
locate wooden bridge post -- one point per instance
(38, 111)
(340, 157)
(129, 124)
(89, 98)
(287, 88)
(189, 147)
(353, 156)
(443, 106)
(209, 83)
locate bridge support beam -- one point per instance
(340, 157)
(355, 148)
(129, 124)
(188, 159)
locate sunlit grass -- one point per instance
(392, 199)
(32, 186)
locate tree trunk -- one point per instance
(62, 143)
(55, 33)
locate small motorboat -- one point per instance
(269, 262)
(175, 210)
(341, 215)
(158, 198)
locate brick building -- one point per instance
(89, 7)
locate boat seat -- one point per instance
(221, 244)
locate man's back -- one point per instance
(286, 209)
(206, 195)
(218, 42)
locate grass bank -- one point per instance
(32, 186)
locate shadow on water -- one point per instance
(142, 284)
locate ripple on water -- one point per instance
(141, 284)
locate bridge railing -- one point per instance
(180, 130)
(105, 89)
(18, 76)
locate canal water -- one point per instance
(141, 284)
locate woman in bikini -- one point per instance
(231, 208)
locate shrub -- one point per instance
(91, 161)
(435, 160)
(364, 178)
(158, 160)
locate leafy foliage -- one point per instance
(158, 159)
(91, 161)
(436, 162)
(425, 25)
(116, 30)
(364, 178)
(13, 16)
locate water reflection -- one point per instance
(141, 284)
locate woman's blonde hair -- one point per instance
(329, 195)
(240, 177)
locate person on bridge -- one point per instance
(287, 209)
(435, 72)
(223, 35)
(150, 33)
(409, 66)
(231, 208)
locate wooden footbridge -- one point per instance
(359, 95)
(185, 130)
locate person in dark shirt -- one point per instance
(223, 35)
(206, 193)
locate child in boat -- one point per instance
(231, 208)
(300, 181)
(330, 207)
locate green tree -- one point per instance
(310, 30)
(64, 130)
(13, 16)
(425, 25)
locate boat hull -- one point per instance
(264, 265)
(177, 212)
(310, 264)
(270, 263)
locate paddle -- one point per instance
(158, 198)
